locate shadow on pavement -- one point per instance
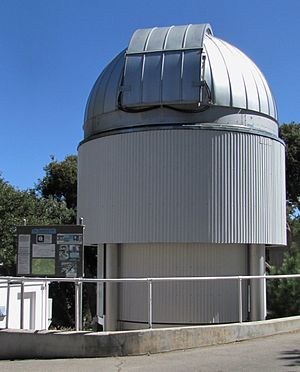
(292, 356)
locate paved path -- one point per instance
(276, 353)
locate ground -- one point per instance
(269, 354)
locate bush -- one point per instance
(283, 295)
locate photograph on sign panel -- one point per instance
(43, 266)
(68, 269)
(63, 252)
(74, 251)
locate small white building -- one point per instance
(36, 306)
(182, 173)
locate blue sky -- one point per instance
(52, 51)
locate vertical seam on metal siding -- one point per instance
(212, 87)
(225, 64)
(257, 90)
(185, 35)
(163, 62)
(268, 93)
(230, 49)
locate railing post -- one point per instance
(22, 306)
(240, 300)
(80, 304)
(150, 289)
(77, 316)
(43, 305)
(46, 294)
(7, 303)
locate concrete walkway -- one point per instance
(280, 353)
(25, 344)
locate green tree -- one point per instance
(60, 181)
(52, 202)
(15, 206)
(284, 294)
(290, 133)
(60, 184)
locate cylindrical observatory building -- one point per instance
(181, 173)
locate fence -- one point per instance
(22, 281)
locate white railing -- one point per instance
(9, 281)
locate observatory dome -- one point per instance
(182, 76)
(181, 173)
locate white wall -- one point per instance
(185, 186)
(35, 313)
(178, 302)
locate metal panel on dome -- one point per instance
(249, 79)
(99, 97)
(237, 86)
(271, 101)
(138, 40)
(220, 76)
(111, 91)
(103, 96)
(150, 80)
(156, 39)
(171, 86)
(163, 65)
(234, 80)
(175, 38)
(133, 71)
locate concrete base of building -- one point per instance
(23, 344)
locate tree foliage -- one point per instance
(60, 181)
(60, 184)
(284, 294)
(15, 206)
(290, 133)
(53, 201)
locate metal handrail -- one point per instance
(145, 279)
(12, 281)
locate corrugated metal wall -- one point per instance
(184, 303)
(248, 189)
(182, 186)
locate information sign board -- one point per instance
(50, 251)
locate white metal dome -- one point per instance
(182, 75)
